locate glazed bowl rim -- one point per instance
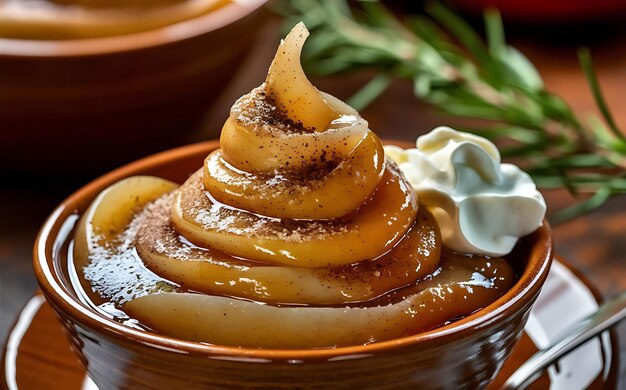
(520, 295)
(178, 31)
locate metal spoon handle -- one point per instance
(608, 314)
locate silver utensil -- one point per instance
(608, 314)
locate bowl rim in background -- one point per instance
(179, 31)
(521, 294)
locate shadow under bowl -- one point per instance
(464, 354)
(81, 105)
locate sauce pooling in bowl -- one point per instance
(297, 233)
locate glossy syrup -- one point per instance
(64, 259)
(124, 277)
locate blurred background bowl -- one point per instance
(87, 105)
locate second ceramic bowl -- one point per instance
(83, 105)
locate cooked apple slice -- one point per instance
(340, 191)
(292, 92)
(286, 123)
(226, 321)
(257, 138)
(103, 252)
(371, 231)
(214, 272)
(110, 213)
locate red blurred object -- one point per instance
(549, 10)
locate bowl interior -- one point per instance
(182, 30)
(531, 257)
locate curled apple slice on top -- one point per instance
(286, 124)
(291, 90)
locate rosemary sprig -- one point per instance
(455, 70)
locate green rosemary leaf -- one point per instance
(585, 161)
(548, 181)
(380, 16)
(467, 37)
(618, 185)
(568, 182)
(464, 109)
(568, 213)
(521, 71)
(552, 107)
(527, 136)
(431, 40)
(429, 32)
(578, 161)
(516, 133)
(495, 33)
(587, 65)
(329, 66)
(461, 31)
(522, 151)
(372, 90)
(604, 136)
(337, 9)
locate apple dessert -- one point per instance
(299, 233)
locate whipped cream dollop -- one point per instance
(481, 205)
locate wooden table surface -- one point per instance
(595, 244)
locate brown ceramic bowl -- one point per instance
(465, 354)
(92, 104)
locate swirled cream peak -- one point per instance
(481, 205)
